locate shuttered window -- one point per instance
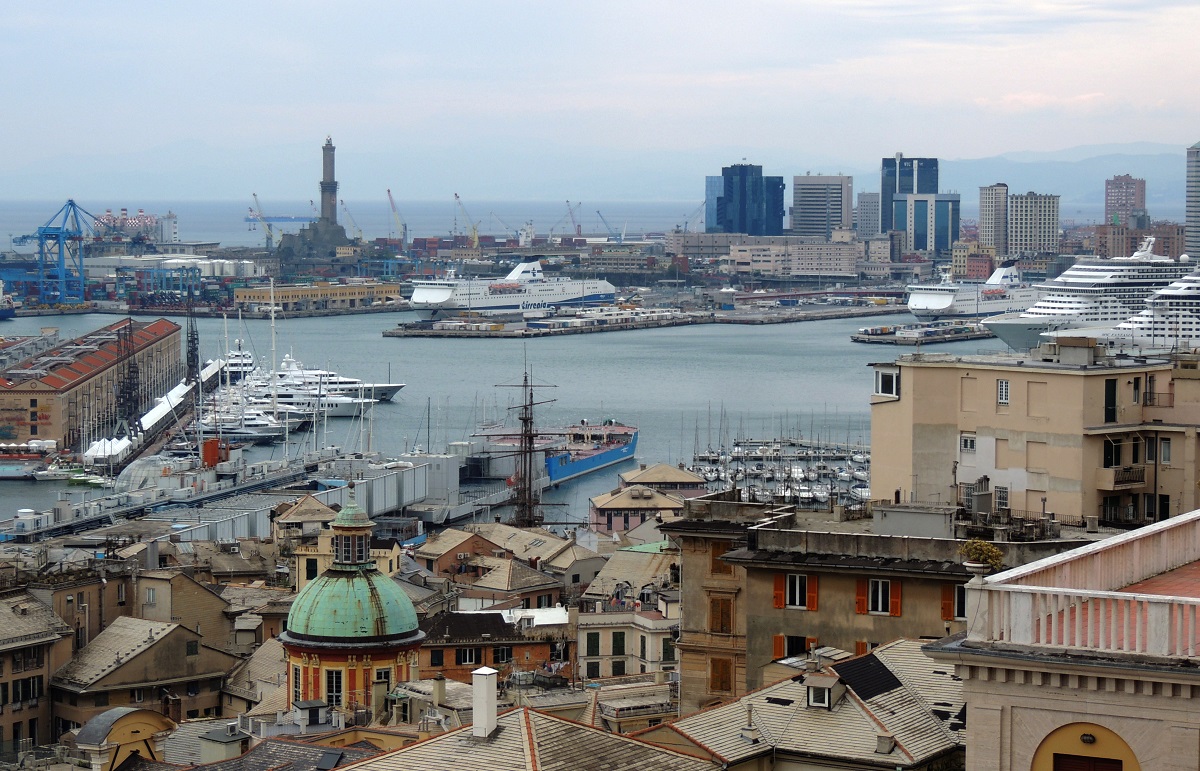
(720, 615)
(720, 675)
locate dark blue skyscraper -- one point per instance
(900, 176)
(749, 203)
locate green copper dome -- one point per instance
(352, 603)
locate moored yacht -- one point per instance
(1094, 292)
(293, 373)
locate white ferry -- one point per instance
(1001, 293)
(525, 289)
(1094, 292)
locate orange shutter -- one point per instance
(860, 597)
(780, 647)
(947, 602)
(780, 590)
(813, 643)
(811, 600)
(860, 647)
(894, 605)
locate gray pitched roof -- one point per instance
(25, 620)
(292, 755)
(123, 639)
(525, 739)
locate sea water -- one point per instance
(688, 389)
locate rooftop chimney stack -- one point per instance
(439, 689)
(483, 702)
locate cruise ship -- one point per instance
(1001, 293)
(524, 289)
(1169, 322)
(1094, 292)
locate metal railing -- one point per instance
(1151, 399)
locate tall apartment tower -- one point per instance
(900, 176)
(1123, 195)
(1193, 200)
(866, 215)
(822, 204)
(1032, 224)
(750, 203)
(993, 217)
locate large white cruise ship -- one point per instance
(1094, 292)
(1169, 322)
(524, 289)
(1002, 292)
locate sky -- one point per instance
(566, 100)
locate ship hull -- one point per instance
(565, 466)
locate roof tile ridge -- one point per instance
(866, 710)
(917, 694)
(531, 755)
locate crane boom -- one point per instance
(350, 219)
(571, 211)
(472, 224)
(401, 225)
(257, 213)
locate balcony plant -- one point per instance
(982, 552)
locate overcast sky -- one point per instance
(558, 100)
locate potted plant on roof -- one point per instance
(980, 556)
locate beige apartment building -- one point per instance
(834, 259)
(1069, 429)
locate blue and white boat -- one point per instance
(526, 289)
(589, 447)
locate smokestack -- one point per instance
(483, 702)
(329, 185)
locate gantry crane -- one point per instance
(60, 254)
(350, 219)
(401, 225)
(256, 212)
(473, 226)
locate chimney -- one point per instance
(439, 689)
(483, 702)
(884, 744)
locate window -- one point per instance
(887, 382)
(310, 569)
(642, 646)
(1151, 447)
(1000, 495)
(574, 578)
(618, 643)
(618, 667)
(1110, 400)
(1137, 390)
(193, 647)
(333, 687)
(150, 593)
(798, 590)
(879, 596)
(1111, 453)
(295, 683)
(593, 643)
(795, 645)
(668, 649)
(121, 593)
(193, 688)
(716, 565)
(502, 654)
(720, 675)
(818, 697)
(720, 615)
(593, 670)
(383, 675)
(1001, 392)
(468, 656)
(1164, 451)
(960, 602)
(137, 695)
(437, 657)
(545, 601)
(99, 699)
(966, 442)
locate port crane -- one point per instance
(401, 225)
(60, 254)
(350, 219)
(473, 226)
(571, 212)
(256, 212)
(613, 234)
(696, 215)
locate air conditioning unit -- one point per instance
(234, 550)
(462, 555)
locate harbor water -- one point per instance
(688, 389)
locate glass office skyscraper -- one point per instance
(749, 202)
(900, 176)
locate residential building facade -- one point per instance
(993, 217)
(1124, 195)
(866, 215)
(35, 643)
(1033, 224)
(1193, 199)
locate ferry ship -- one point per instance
(525, 289)
(8, 308)
(590, 447)
(1001, 293)
(1094, 292)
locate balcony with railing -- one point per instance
(1160, 399)
(1121, 477)
(1133, 594)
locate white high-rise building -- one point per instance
(1193, 200)
(993, 217)
(866, 215)
(822, 204)
(1033, 224)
